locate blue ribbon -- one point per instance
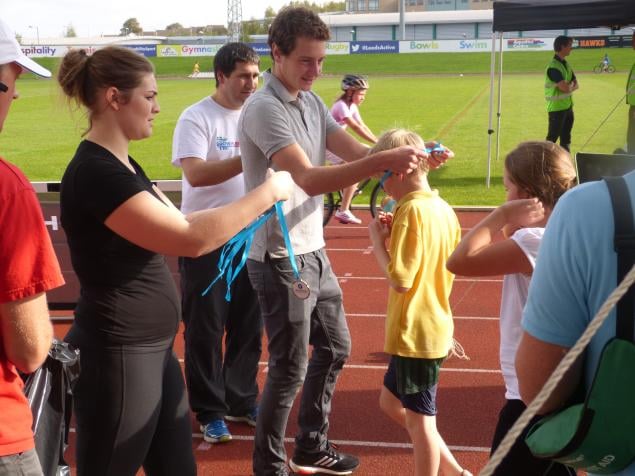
(243, 241)
(287, 240)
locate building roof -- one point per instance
(94, 40)
(450, 16)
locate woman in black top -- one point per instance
(130, 402)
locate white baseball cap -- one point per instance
(10, 52)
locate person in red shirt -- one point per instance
(28, 268)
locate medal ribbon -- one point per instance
(242, 240)
(287, 240)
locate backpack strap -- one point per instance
(625, 248)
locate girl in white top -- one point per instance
(345, 111)
(536, 175)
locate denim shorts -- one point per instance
(423, 402)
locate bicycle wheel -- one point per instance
(329, 207)
(610, 69)
(597, 68)
(376, 198)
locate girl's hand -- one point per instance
(378, 232)
(522, 213)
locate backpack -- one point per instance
(598, 434)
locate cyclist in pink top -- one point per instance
(346, 112)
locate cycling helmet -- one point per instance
(353, 81)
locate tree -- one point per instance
(174, 26)
(131, 25)
(270, 12)
(69, 31)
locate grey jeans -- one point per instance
(292, 325)
(20, 464)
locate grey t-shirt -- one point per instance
(271, 120)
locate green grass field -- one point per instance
(423, 92)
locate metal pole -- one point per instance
(491, 108)
(500, 96)
(402, 20)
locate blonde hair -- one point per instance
(397, 137)
(542, 169)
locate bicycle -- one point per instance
(601, 68)
(332, 200)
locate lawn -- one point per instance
(41, 133)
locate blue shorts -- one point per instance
(423, 402)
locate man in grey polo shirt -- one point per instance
(287, 127)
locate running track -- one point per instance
(470, 395)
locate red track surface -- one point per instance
(470, 395)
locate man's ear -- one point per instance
(276, 53)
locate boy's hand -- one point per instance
(522, 213)
(378, 232)
(385, 218)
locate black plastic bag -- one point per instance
(49, 391)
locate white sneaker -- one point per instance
(347, 217)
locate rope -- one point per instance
(558, 373)
(608, 116)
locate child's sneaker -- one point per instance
(347, 217)
(216, 432)
(249, 417)
(328, 461)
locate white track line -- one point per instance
(373, 444)
(384, 367)
(460, 318)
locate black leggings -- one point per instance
(131, 411)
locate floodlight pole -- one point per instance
(234, 20)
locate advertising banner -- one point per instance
(374, 47)
(528, 44)
(145, 50)
(44, 51)
(261, 48)
(590, 42)
(187, 50)
(337, 48)
(615, 41)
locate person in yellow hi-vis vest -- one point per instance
(560, 82)
(630, 100)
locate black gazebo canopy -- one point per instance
(528, 15)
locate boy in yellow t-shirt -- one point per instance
(423, 232)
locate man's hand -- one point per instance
(404, 159)
(437, 158)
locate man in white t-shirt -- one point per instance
(221, 386)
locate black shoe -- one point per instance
(328, 461)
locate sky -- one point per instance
(97, 17)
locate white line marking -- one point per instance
(382, 278)
(461, 318)
(384, 367)
(373, 444)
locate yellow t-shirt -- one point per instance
(425, 232)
